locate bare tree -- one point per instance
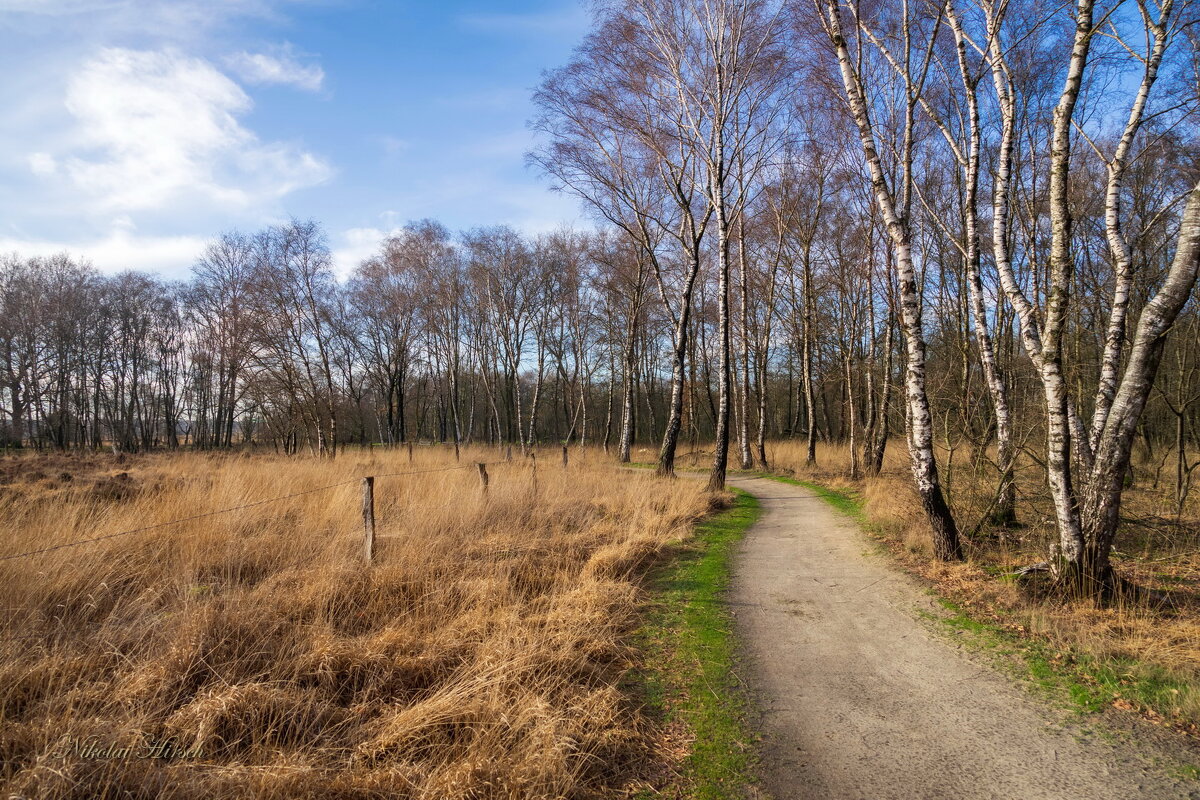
(894, 201)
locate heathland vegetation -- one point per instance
(480, 655)
(977, 223)
(942, 254)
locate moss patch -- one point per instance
(688, 643)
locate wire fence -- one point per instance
(368, 510)
(231, 509)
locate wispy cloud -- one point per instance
(393, 145)
(55, 7)
(119, 250)
(98, 20)
(42, 164)
(355, 245)
(156, 126)
(282, 69)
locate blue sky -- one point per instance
(134, 131)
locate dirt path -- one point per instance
(862, 700)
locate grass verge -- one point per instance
(843, 501)
(1089, 684)
(688, 682)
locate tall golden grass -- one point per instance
(1146, 638)
(479, 657)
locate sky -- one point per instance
(133, 132)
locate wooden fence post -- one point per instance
(564, 456)
(410, 452)
(368, 498)
(483, 477)
(508, 454)
(533, 467)
(456, 451)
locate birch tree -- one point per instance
(1085, 470)
(894, 198)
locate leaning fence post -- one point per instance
(368, 505)
(483, 477)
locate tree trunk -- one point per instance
(946, 545)
(806, 358)
(666, 454)
(716, 477)
(747, 461)
(1089, 570)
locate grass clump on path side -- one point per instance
(843, 501)
(688, 680)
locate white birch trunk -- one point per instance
(1102, 502)
(920, 422)
(1117, 244)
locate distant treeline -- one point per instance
(484, 337)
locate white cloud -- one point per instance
(121, 249)
(529, 209)
(42, 164)
(356, 246)
(154, 126)
(260, 69)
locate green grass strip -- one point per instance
(690, 648)
(845, 502)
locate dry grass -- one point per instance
(479, 657)
(1152, 647)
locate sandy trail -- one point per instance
(861, 699)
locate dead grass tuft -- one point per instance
(479, 657)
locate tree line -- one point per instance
(973, 222)
(485, 336)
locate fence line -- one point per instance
(367, 481)
(194, 517)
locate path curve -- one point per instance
(860, 700)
